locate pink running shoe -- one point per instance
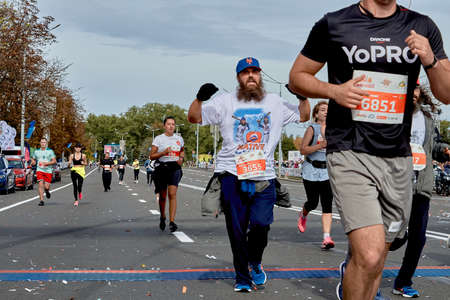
(75, 203)
(327, 243)
(301, 224)
(80, 196)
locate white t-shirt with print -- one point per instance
(240, 126)
(175, 142)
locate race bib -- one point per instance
(174, 151)
(107, 167)
(250, 164)
(121, 166)
(387, 98)
(419, 157)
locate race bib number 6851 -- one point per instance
(387, 97)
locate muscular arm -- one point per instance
(439, 77)
(195, 112)
(302, 80)
(305, 110)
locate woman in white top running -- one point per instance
(168, 149)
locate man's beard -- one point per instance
(247, 94)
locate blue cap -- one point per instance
(248, 62)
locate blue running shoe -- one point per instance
(242, 288)
(406, 291)
(378, 296)
(258, 275)
(342, 267)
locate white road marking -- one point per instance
(192, 187)
(36, 197)
(134, 194)
(182, 237)
(142, 201)
(154, 212)
(130, 189)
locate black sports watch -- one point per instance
(431, 65)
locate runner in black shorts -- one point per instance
(121, 165)
(168, 149)
(374, 51)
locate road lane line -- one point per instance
(182, 237)
(193, 274)
(142, 201)
(192, 187)
(36, 197)
(134, 194)
(154, 212)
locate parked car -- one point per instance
(22, 170)
(7, 177)
(56, 173)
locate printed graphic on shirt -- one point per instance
(251, 131)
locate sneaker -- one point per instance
(47, 194)
(301, 223)
(80, 196)
(173, 227)
(339, 292)
(258, 275)
(41, 203)
(242, 288)
(75, 203)
(406, 291)
(162, 223)
(327, 243)
(378, 296)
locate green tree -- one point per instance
(444, 125)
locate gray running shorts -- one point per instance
(371, 190)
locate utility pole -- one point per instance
(196, 152)
(280, 154)
(215, 142)
(22, 114)
(176, 126)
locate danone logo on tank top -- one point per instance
(379, 52)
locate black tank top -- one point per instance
(77, 162)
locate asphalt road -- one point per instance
(110, 247)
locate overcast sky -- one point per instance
(133, 52)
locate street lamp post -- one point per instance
(196, 153)
(153, 131)
(22, 114)
(280, 154)
(176, 126)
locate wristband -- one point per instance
(431, 65)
